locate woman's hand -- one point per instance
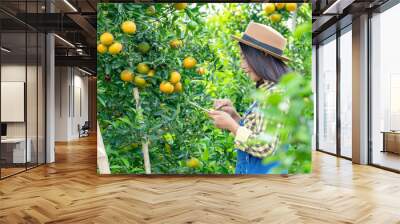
(227, 106)
(223, 120)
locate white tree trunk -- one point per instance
(145, 143)
(145, 151)
(102, 159)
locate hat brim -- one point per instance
(283, 58)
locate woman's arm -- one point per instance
(227, 106)
(224, 120)
(248, 137)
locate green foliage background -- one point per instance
(175, 129)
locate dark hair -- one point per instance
(268, 68)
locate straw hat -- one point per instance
(264, 38)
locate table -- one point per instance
(391, 141)
(16, 147)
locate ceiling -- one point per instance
(331, 15)
(74, 22)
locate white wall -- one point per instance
(34, 125)
(62, 81)
(15, 72)
(71, 94)
(80, 115)
(11, 73)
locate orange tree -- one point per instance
(160, 50)
(145, 46)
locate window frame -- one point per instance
(333, 37)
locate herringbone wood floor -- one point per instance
(70, 191)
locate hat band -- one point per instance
(262, 45)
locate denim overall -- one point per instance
(248, 164)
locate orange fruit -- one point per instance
(126, 76)
(142, 68)
(166, 87)
(174, 77)
(115, 48)
(276, 17)
(269, 8)
(291, 7)
(151, 73)
(180, 6)
(101, 48)
(193, 163)
(128, 27)
(178, 87)
(140, 81)
(106, 38)
(175, 43)
(189, 62)
(201, 71)
(280, 5)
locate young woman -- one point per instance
(262, 60)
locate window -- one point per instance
(346, 93)
(385, 89)
(22, 77)
(327, 96)
(314, 82)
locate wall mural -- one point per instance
(206, 88)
